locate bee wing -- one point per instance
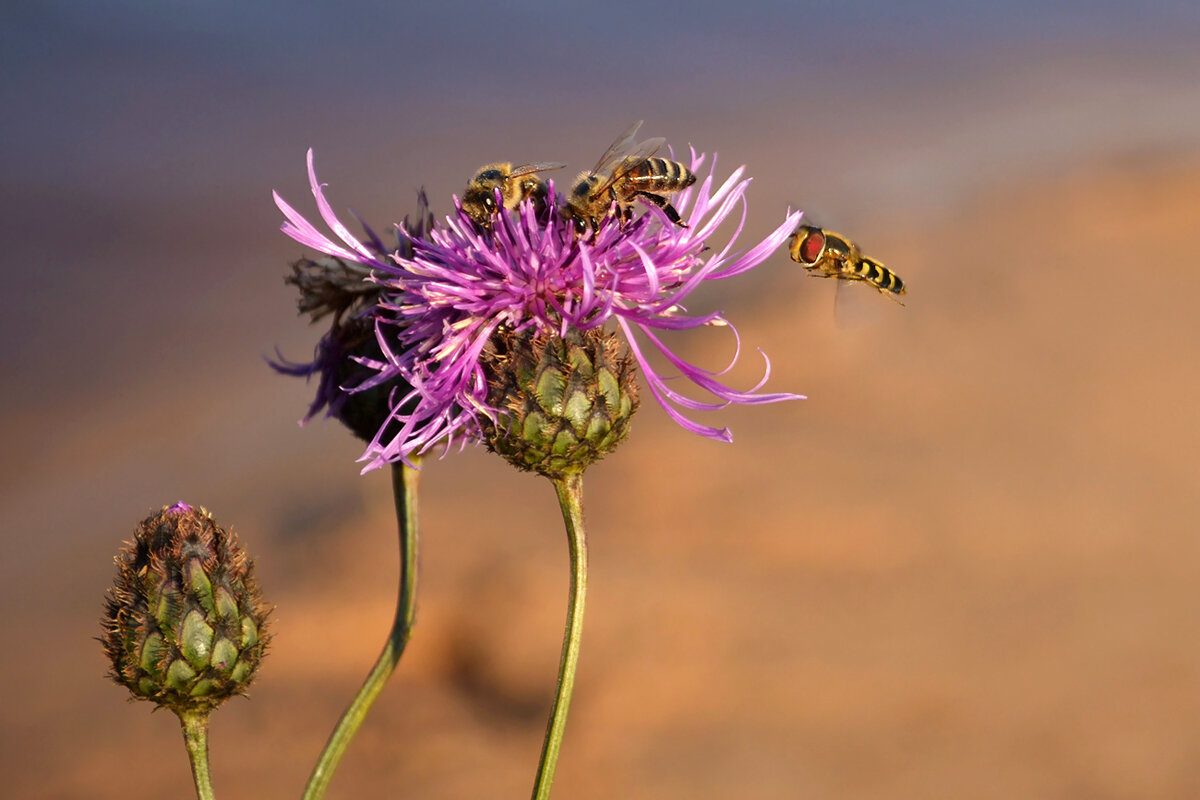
(618, 148)
(631, 159)
(536, 166)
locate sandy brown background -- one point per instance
(965, 567)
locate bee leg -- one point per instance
(661, 202)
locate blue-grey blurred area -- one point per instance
(964, 567)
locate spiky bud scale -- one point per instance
(563, 403)
(184, 622)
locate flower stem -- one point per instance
(570, 499)
(195, 739)
(404, 489)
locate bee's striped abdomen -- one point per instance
(661, 175)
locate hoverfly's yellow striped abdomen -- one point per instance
(881, 277)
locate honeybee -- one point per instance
(515, 184)
(626, 172)
(826, 254)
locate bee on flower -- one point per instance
(512, 335)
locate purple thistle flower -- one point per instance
(332, 360)
(341, 287)
(442, 303)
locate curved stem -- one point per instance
(195, 739)
(404, 488)
(570, 499)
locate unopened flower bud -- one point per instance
(562, 403)
(184, 622)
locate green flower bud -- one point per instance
(562, 403)
(184, 622)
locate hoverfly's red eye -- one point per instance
(811, 246)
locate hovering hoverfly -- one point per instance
(826, 254)
(628, 171)
(515, 184)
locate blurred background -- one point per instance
(966, 566)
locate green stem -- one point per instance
(570, 499)
(195, 739)
(404, 489)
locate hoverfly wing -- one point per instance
(855, 305)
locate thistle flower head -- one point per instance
(184, 622)
(443, 303)
(341, 287)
